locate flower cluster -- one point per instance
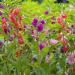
(38, 24)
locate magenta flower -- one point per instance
(34, 22)
(43, 21)
(40, 28)
(73, 32)
(46, 12)
(54, 31)
(53, 18)
(8, 30)
(53, 41)
(53, 22)
(1, 6)
(41, 46)
(3, 20)
(5, 30)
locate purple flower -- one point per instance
(34, 22)
(40, 28)
(53, 22)
(47, 58)
(64, 1)
(43, 21)
(73, 32)
(5, 30)
(72, 26)
(41, 46)
(0, 13)
(25, 26)
(1, 44)
(46, 12)
(53, 18)
(54, 31)
(10, 27)
(8, 30)
(11, 38)
(1, 6)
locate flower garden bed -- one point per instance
(37, 39)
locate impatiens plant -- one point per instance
(36, 39)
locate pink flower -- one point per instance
(53, 41)
(59, 19)
(34, 31)
(47, 31)
(71, 58)
(47, 58)
(3, 20)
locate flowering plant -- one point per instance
(39, 42)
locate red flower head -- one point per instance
(64, 48)
(21, 41)
(16, 11)
(59, 19)
(64, 16)
(12, 18)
